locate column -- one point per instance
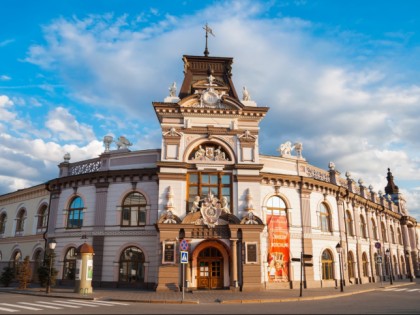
(234, 253)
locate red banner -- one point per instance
(279, 248)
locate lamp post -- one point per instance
(407, 254)
(51, 245)
(339, 250)
(388, 254)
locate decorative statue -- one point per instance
(219, 155)
(172, 90)
(331, 166)
(123, 143)
(169, 218)
(200, 153)
(245, 94)
(285, 148)
(196, 204)
(225, 205)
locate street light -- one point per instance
(388, 254)
(339, 250)
(51, 246)
(407, 254)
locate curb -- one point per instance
(322, 297)
(232, 301)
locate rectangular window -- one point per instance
(200, 184)
(251, 253)
(75, 219)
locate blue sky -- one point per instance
(342, 77)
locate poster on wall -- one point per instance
(89, 270)
(78, 269)
(279, 248)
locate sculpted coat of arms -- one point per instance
(211, 209)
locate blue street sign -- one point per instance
(184, 257)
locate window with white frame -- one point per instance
(349, 224)
(324, 217)
(3, 218)
(363, 227)
(20, 221)
(134, 210)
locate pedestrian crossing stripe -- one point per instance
(56, 304)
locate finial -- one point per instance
(208, 30)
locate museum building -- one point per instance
(246, 220)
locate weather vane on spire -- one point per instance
(208, 30)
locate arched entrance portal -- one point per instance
(210, 269)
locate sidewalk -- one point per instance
(217, 296)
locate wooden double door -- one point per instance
(210, 269)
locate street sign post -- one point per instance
(379, 259)
(184, 260)
(378, 245)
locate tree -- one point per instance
(44, 271)
(25, 273)
(7, 276)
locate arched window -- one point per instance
(3, 218)
(69, 268)
(276, 206)
(17, 258)
(362, 226)
(374, 230)
(75, 214)
(327, 265)
(377, 266)
(391, 229)
(365, 264)
(383, 230)
(349, 223)
(403, 268)
(131, 266)
(399, 237)
(134, 210)
(42, 217)
(350, 263)
(324, 217)
(20, 221)
(37, 258)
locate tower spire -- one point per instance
(391, 188)
(208, 30)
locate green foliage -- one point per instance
(43, 272)
(7, 276)
(25, 273)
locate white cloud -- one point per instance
(5, 103)
(64, 125)
(4, 77)
(342, 101)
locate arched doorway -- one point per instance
(131, 267)
(210, 269)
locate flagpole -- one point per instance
(206, 51)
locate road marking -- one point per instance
(98, 303)
(21, 306)
(413, 290)
(46, 306)
(8, 309)
(59, 303)
(77, 303)
(112, 302)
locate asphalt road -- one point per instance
(394, 301)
